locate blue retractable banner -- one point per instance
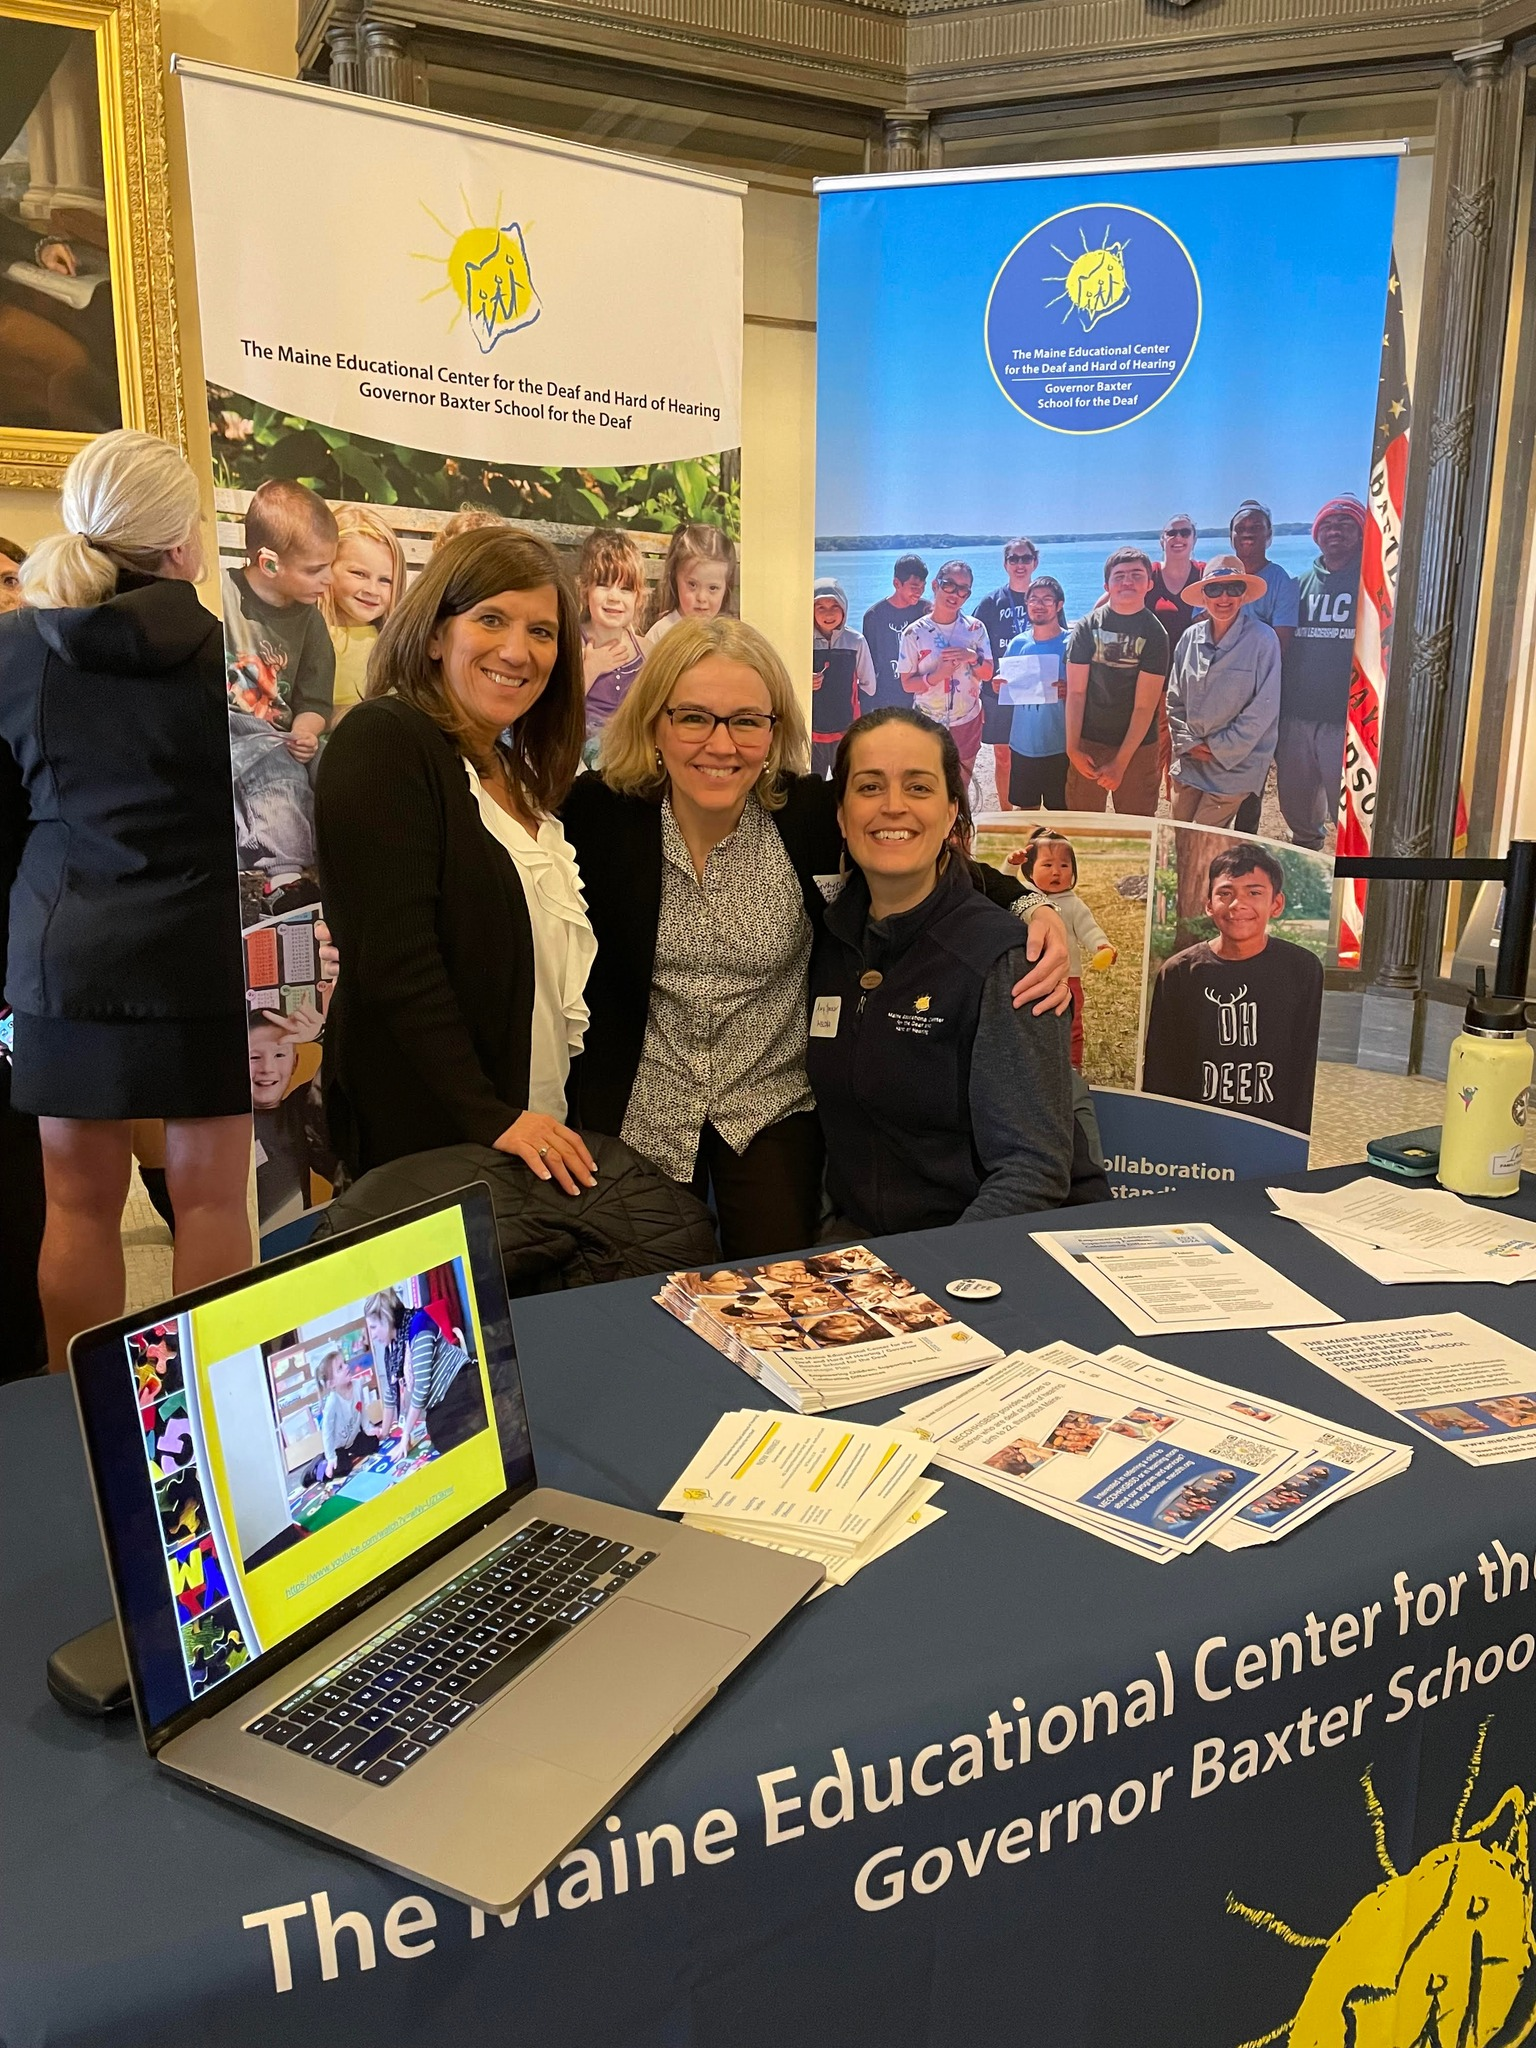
(1022, 374)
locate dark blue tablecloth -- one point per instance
(123, 1895)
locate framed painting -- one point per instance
(87, 285)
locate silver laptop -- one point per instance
(346, 1602)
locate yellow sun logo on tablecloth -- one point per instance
(489, 274)
(1095, 283)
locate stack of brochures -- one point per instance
(1160, 1278)
(827, 1331)
(1455, 1381)
(1148, 1456)
(1400, 1235)
(840, 1493)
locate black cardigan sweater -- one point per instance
(617, 842)
(429, 1035)
(118, 891)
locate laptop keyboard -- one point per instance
(396, 1696)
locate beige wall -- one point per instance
(256, 35)
(778, 434)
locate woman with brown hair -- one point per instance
(448, 884)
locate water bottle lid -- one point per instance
(1494, 1016)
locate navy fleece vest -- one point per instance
(892, 1084)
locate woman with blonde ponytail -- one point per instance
(119, 908)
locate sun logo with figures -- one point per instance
(489, 274)
(1439, 1956)
(1094, 284)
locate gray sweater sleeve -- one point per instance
(1020, 1099)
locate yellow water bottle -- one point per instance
(1487, 1088)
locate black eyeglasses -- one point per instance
(949, 583)
(693, 722)
(1020, 561)
(1178, 533)
(1226, 589)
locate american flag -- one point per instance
(1373, 626)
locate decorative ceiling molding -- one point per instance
(929, 55)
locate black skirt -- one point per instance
(95, 1070)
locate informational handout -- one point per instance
(1331, 1462)
(1428, 1233)
(1029, 679)
(1455, 1381)
(1088, 1446)
(827, 1483)
(1165, 1277)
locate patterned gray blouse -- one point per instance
(725, 1040)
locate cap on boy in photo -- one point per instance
(1225, 570)
(1345, 507)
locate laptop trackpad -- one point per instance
(615, 1688)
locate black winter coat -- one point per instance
(635, 1221)
(117, 824)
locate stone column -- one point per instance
(346, 66)
(1419, 701)
(906, 141)
(389, 72)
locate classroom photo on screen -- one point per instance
(321, 1419)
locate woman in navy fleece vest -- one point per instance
(940, 1102)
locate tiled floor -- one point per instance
(146, 1251)
(1351, 1106)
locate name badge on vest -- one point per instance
(831, 886)
(824, 1016)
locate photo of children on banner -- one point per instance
(1049, 863)
(610, 584)
(697, 581)
(1117, 667)
(282, 672)
(367, 581)
(885, 622)
(1032, 689)
(1005, 614)
(1314, 688)
(1168, 599)
(842, 673)
(295, 1165)
(945, 659)
(1234, 1018)
(1223, 697)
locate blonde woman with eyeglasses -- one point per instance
(707, 853)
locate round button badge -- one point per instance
(973, 1290)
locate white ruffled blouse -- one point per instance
(563, 945)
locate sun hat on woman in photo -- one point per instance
(1225, 571)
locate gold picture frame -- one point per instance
(133, 327)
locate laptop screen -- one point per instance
(268, 1451)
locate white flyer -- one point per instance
(1427, 1224)
(831, 1484)
(1106, 1457)
(1331, 1462)
(1453, 1380)
(1162, 1277)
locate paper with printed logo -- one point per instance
(1454, 1380)
(1180, 1276)
(1428, 1225)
